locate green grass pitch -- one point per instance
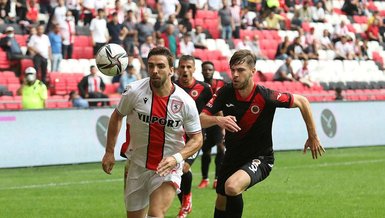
(346, 182)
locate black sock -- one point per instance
(218, 161)
(219, 213)
(206, 159)
(234, 206)
(185, 185)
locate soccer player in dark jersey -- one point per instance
(201, 93)
(248, 112)
(213, 135)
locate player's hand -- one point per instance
(315, 146)
(108, 162)
(166, 165)
(229, 123)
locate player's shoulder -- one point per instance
(181, 95)
(202, 83)
(137, 86)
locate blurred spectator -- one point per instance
(130, 37)
(272, 22)
(59, 14)
(56, 48)
(303, 75)
(373, 31)
(312, 50)
(199, 37)
(172, 20)
(343, 50)
(364, 49)
(285, 72)
(119, 10)
(193, 7)
(99, 30)
(100, 4)
(326, 42)
(33, 91)
(142, 11)
(115, 30)
(319, 13)
(375, 16)
(214, 5)
(351, 7)
(171, 40)
(296, 50)
(257, 22)
(144, 29)
(74, 7)
(281, 53)
(21, 9)
(14, 53)
(131, 5)
(186, 21)
(5, 8)
(339, 31)
(203, 5)
(145, 48)
(290, 4)
(33, 11)
(160, 24)
(310, 36)
(339, 96)
(186, 45)
(256, 49)
(236, 14)
(128, 77)
(45, 6)
(296, 21)
(77, 100)
(168, 7)
(40, 48)
(68, 31)
(305, 12)
(92, 86)
(226, 21)
(244, 43)
(160, 42)
(88, 6)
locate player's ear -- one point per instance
(171, 73)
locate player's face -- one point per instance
(242, 75)
(208, 71)
(186, 69)
(159, 70)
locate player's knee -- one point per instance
(186, 168)
(220, 202)
(231, 188)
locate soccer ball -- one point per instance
(111, 59)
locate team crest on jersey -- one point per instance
(176, 106)
(254, 109)
(194, 93)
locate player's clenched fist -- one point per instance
(108, 162)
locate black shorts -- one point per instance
(190, 160)
(213, 136)
(258, 170)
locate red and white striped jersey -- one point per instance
(156, 125)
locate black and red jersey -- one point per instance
(200, 92)
(216, 84)
(255, 117)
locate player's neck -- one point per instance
(187, 84)
(165, 90)
(245, 93)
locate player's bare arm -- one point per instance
(312, 142)
(112, 134)
(228, 122)
(192, 146)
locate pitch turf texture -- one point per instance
(343, 183)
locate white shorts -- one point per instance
(141, 182)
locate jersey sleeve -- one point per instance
(192, 122)
(278, 99)
(126, 103)
(216, 102)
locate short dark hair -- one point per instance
(243, 56)
(162, 51)
(207, 62)
(187, 58)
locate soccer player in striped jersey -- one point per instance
(201, 93)
(248, 113)
(159, 114)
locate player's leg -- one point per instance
(220, 206)
(185, 197)
(161, 200)
(219, 142)
(205, 164)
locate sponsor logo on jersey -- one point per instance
(229, 105)
(254, 109)
(145, 99)
(161, 120)
(176, 106)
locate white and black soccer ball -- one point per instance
(111, 59)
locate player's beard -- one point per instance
(242, 85)
(158, 82)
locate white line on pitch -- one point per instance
(332, 164)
